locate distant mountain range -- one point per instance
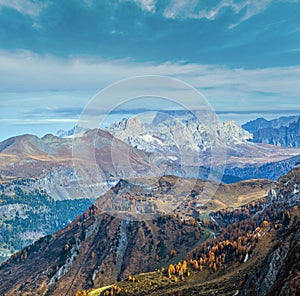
(68, 133)
(261, 123)
(50, 163)
(163, 133)
(284, 131)
(105, 157)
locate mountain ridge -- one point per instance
(84, 254)
(255, 253)
(284, 131)
(253, 126)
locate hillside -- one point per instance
(97, 249)
(58, 164)
(272, 170)
(255, 253)
(28, 214)
(44, 185)
(260, 273)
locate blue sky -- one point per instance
(243, 55)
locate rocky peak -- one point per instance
(169, 134)
(67, 133)
(288, 136)
(131, 126)
(261, 123)
(234, 133)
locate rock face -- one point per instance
(284, 131)
(261, 123)
(169, 134)
(278, 273)
(288, 136)
(235, 134)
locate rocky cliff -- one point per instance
(168, 134)
(261, 123)
(278, 273)
(284, 131)
(288, 136)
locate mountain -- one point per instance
(254, 126)
(165, 133)
(255, 252)
(68, 168)
(288, 136)
(60, 170)
(170, 139)
(71, 132)
(278, 273)
(58, 164)
(284, 131)
(167, 137)
(43, 186)
(97, 249)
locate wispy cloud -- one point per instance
(199, 9)
(38, 121)
(29, 7)
(189, 9)
(224, 87)
(147, 5)
(294, 49)
(53, 92)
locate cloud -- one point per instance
(294, 49)
(27, 7)
(225, 88)
(116, 29)
(189, 9)
(39, 121)
(52, 92)
(147, 5)
(199, 9)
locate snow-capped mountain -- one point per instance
(170, 134)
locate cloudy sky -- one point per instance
(242, 55)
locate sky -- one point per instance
(55, 56)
